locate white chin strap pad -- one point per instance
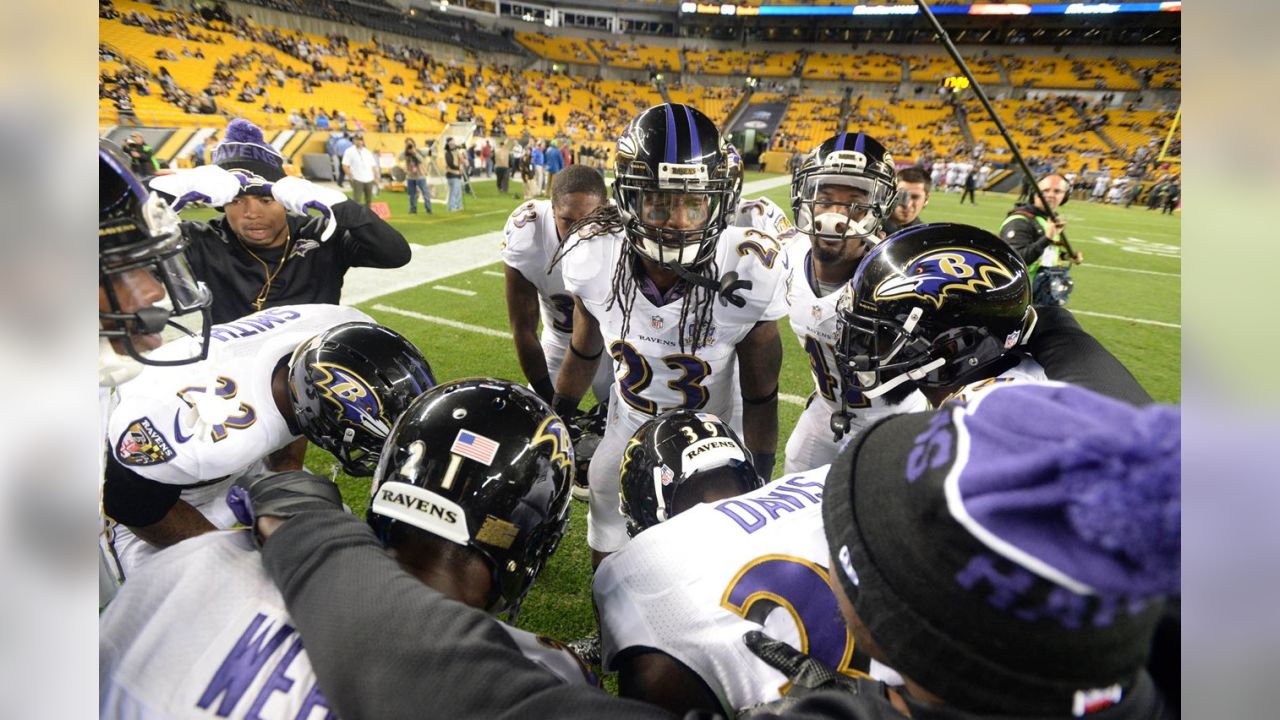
(839, 225)
(666, 255)
(114, 368)
(915, 374)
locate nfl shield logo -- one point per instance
(656, 322)
(666, 475)
(816, 312)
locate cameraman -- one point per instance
(913, 196)
(1034, 234)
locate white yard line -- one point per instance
(1126, 319)
(456, 291)
(429, 264)
(792, 399)
(493, 273)
(443, 321)
(1132, 270)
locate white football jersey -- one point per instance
(764, 215)
(153, 428)
(529, 243)
(813, 319)
(202, 631)
(653, 372)
(691, 587)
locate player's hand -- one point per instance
(281, 496)
(807, 676)
(300, 196)
(208, 184)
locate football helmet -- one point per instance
(844, 188)
(138, 231)
(349, 384)
(586, 431)
(483, 463)
(676, 185)
(933, 305)
(667, 453)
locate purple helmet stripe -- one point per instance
(695, 147)
(858, 144)
(671, 135)
(840, 142)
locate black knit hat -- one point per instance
(244, 148)
(1011, 555)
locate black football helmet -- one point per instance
(672, 165)
(932, 305)
(483, 463)
(349, 384)
(667, 452)
(844, 188)
(138, 231)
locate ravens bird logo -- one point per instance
(937, 274)
(360, 405)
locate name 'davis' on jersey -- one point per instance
(754, 512)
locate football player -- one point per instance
(841, 193)
(471, 497)
(535, 286)
(714, 556)
(675, 296)
(181, 435)
(938, 308)
(141, 264)
(944, 308)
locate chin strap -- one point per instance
(727, 288)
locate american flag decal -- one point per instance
(475, 447)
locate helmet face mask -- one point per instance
(486, 464)
(676, 185)
(140, 254)
(844, 189)
(933, 307)
(347, 386)
(676, 460)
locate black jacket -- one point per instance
(890, 227)
(1021, 229)
(313, 272)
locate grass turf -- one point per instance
(1132, 272)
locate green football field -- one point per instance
(1127, 294)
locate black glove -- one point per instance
(282, 495)
(806, 674)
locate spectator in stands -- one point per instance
(141, 155)
(453, 160)
(913, 196)
(415, 179)
(263, 252)
(125, 114)
(322, 120)
(399, 121)
(361, 165)
(554, 160)
(199, 152)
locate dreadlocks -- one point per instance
(696, 302)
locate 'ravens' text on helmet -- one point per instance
(934, 305)
(677, 460)
(485, 464)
